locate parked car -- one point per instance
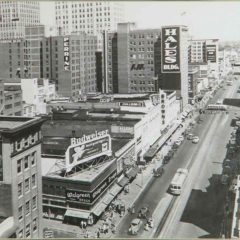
(181, 138)
(190, 136)
(135, 226)
(178, 142)
(143, 212)
(195, 139)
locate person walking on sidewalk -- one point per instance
(81, 224)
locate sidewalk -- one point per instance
(128, 199)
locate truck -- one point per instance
(178, 181)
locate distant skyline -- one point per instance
(205, 19)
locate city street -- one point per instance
(204, 159)
(198, 212)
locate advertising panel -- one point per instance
(87, 148)
(132, 104)
(170, 50)
(211, 52)
(66, 53)
(90, 197)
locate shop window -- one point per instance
(20, 190)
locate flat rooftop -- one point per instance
(50, 168)
(13, 122)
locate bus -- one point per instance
(178, 181)
(220, 107)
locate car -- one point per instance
(195, 139)
(178, 142)
(190, 136)
(135, 226)
(181, 138)
(143, 212)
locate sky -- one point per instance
(216, 19)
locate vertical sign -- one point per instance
(66, 53)
(211, 52)
(170, 49)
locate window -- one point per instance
(27, 185)
(33, 180)
(27, 207)
(28, 230)
(26, 162)
(34, 202)
(20, 213)
(26, 142)
(19, 165)
(33, 155)
(34, 224)
(20, 191)
(20, 234)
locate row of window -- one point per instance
(27, 185)
(26, 161)
(27, 208)
(28, 229)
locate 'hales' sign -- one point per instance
(170, 49)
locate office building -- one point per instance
(71, 62)
(12, 100)
(1, 97)
(15, 15)
(129, 60)
(89, 17)
(20, 177)
(206, 51)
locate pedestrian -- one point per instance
(98, 234)
(146, 228)
(81, 224)
(84, 225)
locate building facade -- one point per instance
(129, 59)
(14, 16)
(89, 17)
(13, 105)
(71, 62)
(20, 175)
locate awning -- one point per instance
(77, 214)
(132, 173)
(99, 208)
(107, 198)
(115, 190)
(123, 182)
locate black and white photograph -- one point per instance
(120, 119)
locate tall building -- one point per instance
(205, 51)
(129, 59)
(20, 177)
(71, 62)
(89, 17)
(1, 97)
(15, 15)
(33, 51)
(173, 61)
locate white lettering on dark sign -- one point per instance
(170, 50)
(66, 53)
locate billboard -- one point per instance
(211, 53)
(87, 148)
(170, 50)
(66, 54)
(90, 197)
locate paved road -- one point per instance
(198, 212)
(185, 156)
